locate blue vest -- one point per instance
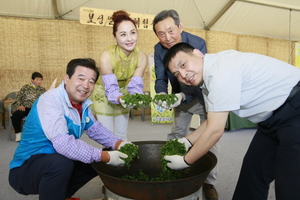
(34, 141)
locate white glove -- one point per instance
(130, 106)
(177, 103)
(176, 162)
(159, 103)
(123, 143)
(186, 143)
(143, 104)
(115, 158)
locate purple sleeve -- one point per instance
(102, 135)
(111, 87)
(136, 85)
(76, 149)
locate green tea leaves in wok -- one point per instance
(172, 147)
(132, 151)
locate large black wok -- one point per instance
(150, 164)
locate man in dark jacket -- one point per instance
(169, 30)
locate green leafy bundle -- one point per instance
(140, 177)
(139, 100)
(169, 98)
(132, 151)
(172, 147)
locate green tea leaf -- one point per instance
(132, 151)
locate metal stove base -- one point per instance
(109, 195)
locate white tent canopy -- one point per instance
(268, 18)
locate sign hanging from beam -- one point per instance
(102, 17)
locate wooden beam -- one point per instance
(220, 14)
(274, 5)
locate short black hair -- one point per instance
(85, 62)
(35, 75)
(171, 53)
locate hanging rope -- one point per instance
(73, 9)
(200, 15)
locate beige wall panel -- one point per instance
(19, 40)
(29, 45)
(98, 39)
(198, 32)
(252, 44)
(220, 41)
(279, 49)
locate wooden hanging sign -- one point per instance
(102, 17)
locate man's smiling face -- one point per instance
(188, 67)
(80, 86)
(168, 32)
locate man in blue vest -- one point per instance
(51, 160)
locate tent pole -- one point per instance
(55, 10)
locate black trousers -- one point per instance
(52, 176)
(17, 117)
(274, 154)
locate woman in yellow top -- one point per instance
(122, 67)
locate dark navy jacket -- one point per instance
(162, 75)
